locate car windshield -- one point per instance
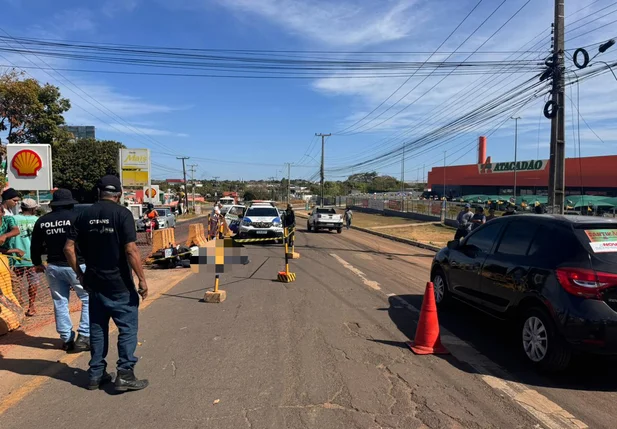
(262, 212)
(162, 212)
(326, 211)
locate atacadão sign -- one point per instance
(509, 167)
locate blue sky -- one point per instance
(245, 128)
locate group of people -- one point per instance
(93, 253)
(467, 220)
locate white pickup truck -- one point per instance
(323, 218)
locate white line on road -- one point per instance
(539, 406)
(370, 283)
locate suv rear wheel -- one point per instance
(542, 345)
(440, 287)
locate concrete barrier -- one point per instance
(197, 236)
(162, 239)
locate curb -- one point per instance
(388, 236)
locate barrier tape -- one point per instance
(255, 240)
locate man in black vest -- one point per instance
(106, 236)
(50, 232)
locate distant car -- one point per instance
(555, 275)
(166, 217)
(81, 207)
(261, 222)
(324, 218)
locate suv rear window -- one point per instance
(262, 211)
(599, 240)
(326, 211)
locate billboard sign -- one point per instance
(135, 167)
(509, 167)
(29, 167)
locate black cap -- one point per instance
(9, 194)
(109, 183)
(62, 197)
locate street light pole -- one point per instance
(516, 118)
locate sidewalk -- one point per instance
(27, 360)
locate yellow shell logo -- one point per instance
(150, 193)
(27, 163)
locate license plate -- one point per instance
(261, 232)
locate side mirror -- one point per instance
(240, 216)
(454, 244)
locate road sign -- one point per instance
(152, 194)
(29, 167)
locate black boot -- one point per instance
(69, 346)
(126, 381)
(96, 383)
(82, 344)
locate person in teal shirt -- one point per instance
(23, 267)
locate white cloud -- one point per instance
(342, 23)
(74, 20)
(111, 8)
(121, 128)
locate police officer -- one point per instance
(106, 236)
(50, 232)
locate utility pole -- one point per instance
(515, 150)
(321, 171)
(444, 173)
(193, 181)
(556, 178)
(186, 196)
(403, 179)
(288, 180)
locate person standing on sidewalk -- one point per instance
(10, 199)
(348, 217)
(50, 232)
(105, 233)
(464, 222)
(23, 267)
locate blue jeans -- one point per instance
(61, 280)
(122, 308)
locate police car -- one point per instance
(261, 220)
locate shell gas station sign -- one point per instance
(29, 167)
(152, 194)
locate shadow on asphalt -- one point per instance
(56, 370)
(497, 340)
(23, 339)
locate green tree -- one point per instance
(79, 164)
(29, 112)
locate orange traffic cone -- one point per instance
(427, 339)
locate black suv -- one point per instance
(555, 275)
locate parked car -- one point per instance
(166, 218)
(261, 221)
(556, 276)
(325, 218)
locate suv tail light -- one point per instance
(585, 283)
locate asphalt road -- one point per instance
(327, 351)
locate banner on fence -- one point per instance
(394, 205)
(375, 204)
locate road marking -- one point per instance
(548, 413)
(370, 283)
(37, 381)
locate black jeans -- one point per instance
(122, 308)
